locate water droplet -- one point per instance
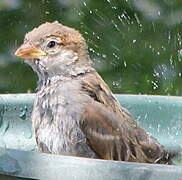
(25, 108)
(23, 113)
(115, 55)
(115, 83)
(138, 118)
(155, 85)
(124, 63)
(114, 7)
(47, 12)
(158, 127)
(104, 56)
(91, 49)
(146, 116)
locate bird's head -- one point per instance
(54, 49)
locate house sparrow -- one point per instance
(75, 112)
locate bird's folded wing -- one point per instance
(111, 139)
(111, 131)
(105, 135)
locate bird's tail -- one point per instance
(169, 157)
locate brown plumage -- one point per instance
(75, 112)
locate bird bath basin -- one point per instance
(160, 115)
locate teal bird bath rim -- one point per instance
(159, 115)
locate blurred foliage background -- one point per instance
(134, 43)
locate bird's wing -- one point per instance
(103, 133)
(112, 132)
(97, 89)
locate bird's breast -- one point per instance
(56, 123)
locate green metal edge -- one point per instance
(53, 167)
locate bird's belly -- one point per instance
(63, 141)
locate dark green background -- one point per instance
(134, 43)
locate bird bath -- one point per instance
(159, 115)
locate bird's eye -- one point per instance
(51, 44)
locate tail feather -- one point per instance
(168, 157)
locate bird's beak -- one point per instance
(29, 51)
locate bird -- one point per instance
(75, 113)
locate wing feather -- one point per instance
(111, 131)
